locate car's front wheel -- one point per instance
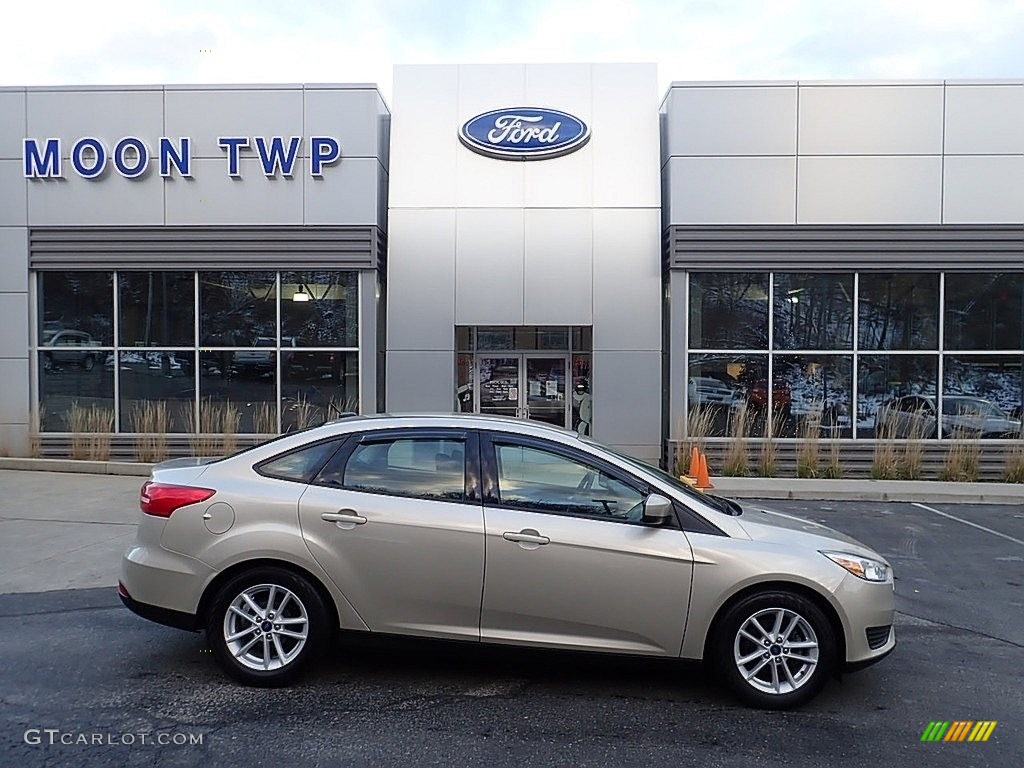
(775, 649)
(265, 625)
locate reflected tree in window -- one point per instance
(813, 311)
(728, 310)
(985, 311)
(899, 311)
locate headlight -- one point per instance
(862, 567)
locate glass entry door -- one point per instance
(524, 386)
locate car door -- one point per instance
(569, 561)
(396, 521)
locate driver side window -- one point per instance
(541, 481)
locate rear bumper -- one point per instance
(165, 616)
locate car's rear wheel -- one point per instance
(266, 625)
(775, 649)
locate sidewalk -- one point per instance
(925, 491)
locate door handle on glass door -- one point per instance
(344, 516)
(525, 536)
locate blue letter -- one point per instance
(182, 158)
(47, 166)
(141, 160)
(323, 150)
(276, 158)
(232, 145)
(77, 160)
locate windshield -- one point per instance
(717, 502)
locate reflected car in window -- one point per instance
(962, 416)
(67, 347)
(704, 390)
(383, 524)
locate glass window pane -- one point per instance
(429, 468)
(813, 389)
(68, 394)
(76, 308)
(582, 402)
(157, 391)
(236, 308)
(237, 398)
(813, 311)
(530, 478)
(990, 388)
(464, 398)
(300, 465)
(898, 311)
(494, 338)
(884, 385)
(718, 384)
(317, 387)
(984, 311)
(319, 309)
(464, 338)
(157, 308)
(728, 310)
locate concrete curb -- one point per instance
(933, 491)
(78, 466)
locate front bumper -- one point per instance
(863, 605)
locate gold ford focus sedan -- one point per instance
(486, 529)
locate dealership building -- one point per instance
(559, 243)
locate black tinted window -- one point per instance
(302, 464)
(423, 468)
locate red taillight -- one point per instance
(161, 499)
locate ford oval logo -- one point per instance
(524, 133)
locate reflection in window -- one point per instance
(66, 391)
(996, 380)
(300, 465)
(813, 311)
(157, 391)
(157, 308)
(76, 308)
(882, 378)
(464, 397)
(317, 387)
(419, 468)
(728, 310)
(530, 478)
(720, 383)
(237, 308)
(238, 392)
(582, 401)
(319, 309)
(898, 311)
(814, 389)
(984, 311)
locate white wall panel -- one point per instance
(14, 401)
(983, 190)
(345, 194)
(108, 200)
(106, 115)
(206, 115)
(869, 190)
(424, 136)
(731, 190)
(13, 259)
(420, 382)
(627, 279)
(213, 197)
(984, 119)
(732, 121)
(562, 182)
(12, 194)
(12, 124)
(351, 115)
(872, 120)
(421, 281)
(627, 398)
(14, 315)
(559, 267)
(489, 267)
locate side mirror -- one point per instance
(657, 509)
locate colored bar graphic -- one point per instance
(958, 730)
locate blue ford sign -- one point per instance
(524, 133)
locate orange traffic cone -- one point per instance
(694, 463)
(703, 479)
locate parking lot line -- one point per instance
(968, 522)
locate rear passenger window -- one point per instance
(421, 468)
(300, 465)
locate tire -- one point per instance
(88, 362)
(769, 687)
(304, 609)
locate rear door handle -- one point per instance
(345, 516)
(526, 536)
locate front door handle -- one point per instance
(526, 536)
(346, 519)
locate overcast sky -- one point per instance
(268, 41)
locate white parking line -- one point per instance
(968, 522)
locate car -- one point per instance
(962, 416)
(704, 390)
(782, 398)
(62, 346)
(487, 529)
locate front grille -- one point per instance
(878, 636)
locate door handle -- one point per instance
(526, 536)
(344, 516)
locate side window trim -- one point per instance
(340, 439)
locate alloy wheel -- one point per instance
(266, 627)
(776, 651)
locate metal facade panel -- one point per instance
(204, 247)
(12, 124)
(984, 119)
(13, 259)
(983, 189)
(950, 248)
(731, 190)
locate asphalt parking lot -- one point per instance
(76, 661)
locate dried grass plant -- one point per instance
(736, 462)
(885, 463)
(1014, 471)
(768, 458)
(151, 421)
(306, 414)
(808, 452)
(230, 418)
(963, 459)
(264, 419)
(91, 428)
(35, 440)
(911, 465)
(834, 467)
